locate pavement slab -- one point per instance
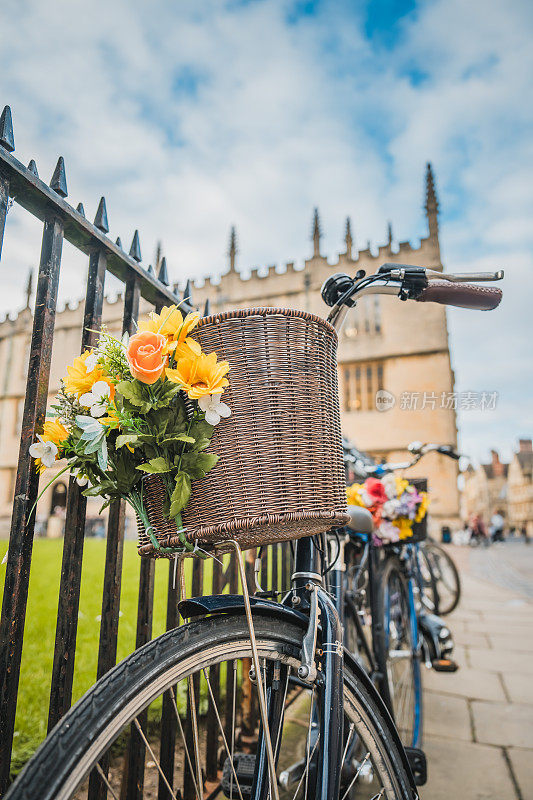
(446, 716)
(505, 724)
(500, 661)
(522, 764)
(508, 641)
(467, 683)
(519, 688)
(466, 770)
(479, 720)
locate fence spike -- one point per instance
(163, 275)
(135, 249)
(207, 308)
(187, 292)
(7, 140)
(80, 209)
(32, 166)
(118, 242)
(150, 270)
(59, 178)
(100, 221)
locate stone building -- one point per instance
(485, 489)
(520, 488)
(387, 346)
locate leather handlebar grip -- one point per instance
(462, 295)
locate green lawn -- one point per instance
(37, 656)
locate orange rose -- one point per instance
(146, 356)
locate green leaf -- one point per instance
(202, 431)
(159, 464)
(133, 391)
(166, 396)
(181, 438)
(180, 495)
(198, 464)
(100, 488)
(102, 455)
(95, 445)
(126, 438)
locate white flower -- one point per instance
(46, 451)
(97, 399)
(389, 482)
(81, 480)
(213, 408)
(91, 362)
(91, 427)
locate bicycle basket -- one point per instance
(280, 475)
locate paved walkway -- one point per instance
(479, 720)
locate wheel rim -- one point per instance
(363, 755)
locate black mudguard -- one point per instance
(234, 604)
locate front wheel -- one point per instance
(208, 748)
(397, 651)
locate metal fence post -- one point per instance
(26, 490)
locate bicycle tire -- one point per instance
(454, 591)
(77, 742)
(427, 581)
(409, 725)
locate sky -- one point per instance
(191, 117)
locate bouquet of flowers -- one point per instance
(394, 503)
(121, 415)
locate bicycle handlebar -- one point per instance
(461, 295)
(421, 450)
(410, 283)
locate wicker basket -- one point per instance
(280, 475)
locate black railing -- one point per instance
(23, 186)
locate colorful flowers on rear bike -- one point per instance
(394, 503)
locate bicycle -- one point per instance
(401, 596)
(315, 699)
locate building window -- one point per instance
(19, 412)
(361, 381)
(364, 318)
(377, 315)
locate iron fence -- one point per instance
(61, 221)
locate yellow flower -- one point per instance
(80, 380)
(200, 374)
(422, 508)
(170, 323)
(405, 526)
(401, 485)
(111, 418)
(53, 431)
(353, 494)
(189, 348)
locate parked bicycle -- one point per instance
(324, 731)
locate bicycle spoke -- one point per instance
(222, 731)
(350, 733)
(305, 772)
(360, 767)
(105, 780)
(186, 749)
(154, 757)
(196, 738)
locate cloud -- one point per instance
(190, 118)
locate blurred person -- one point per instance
(497, 523)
